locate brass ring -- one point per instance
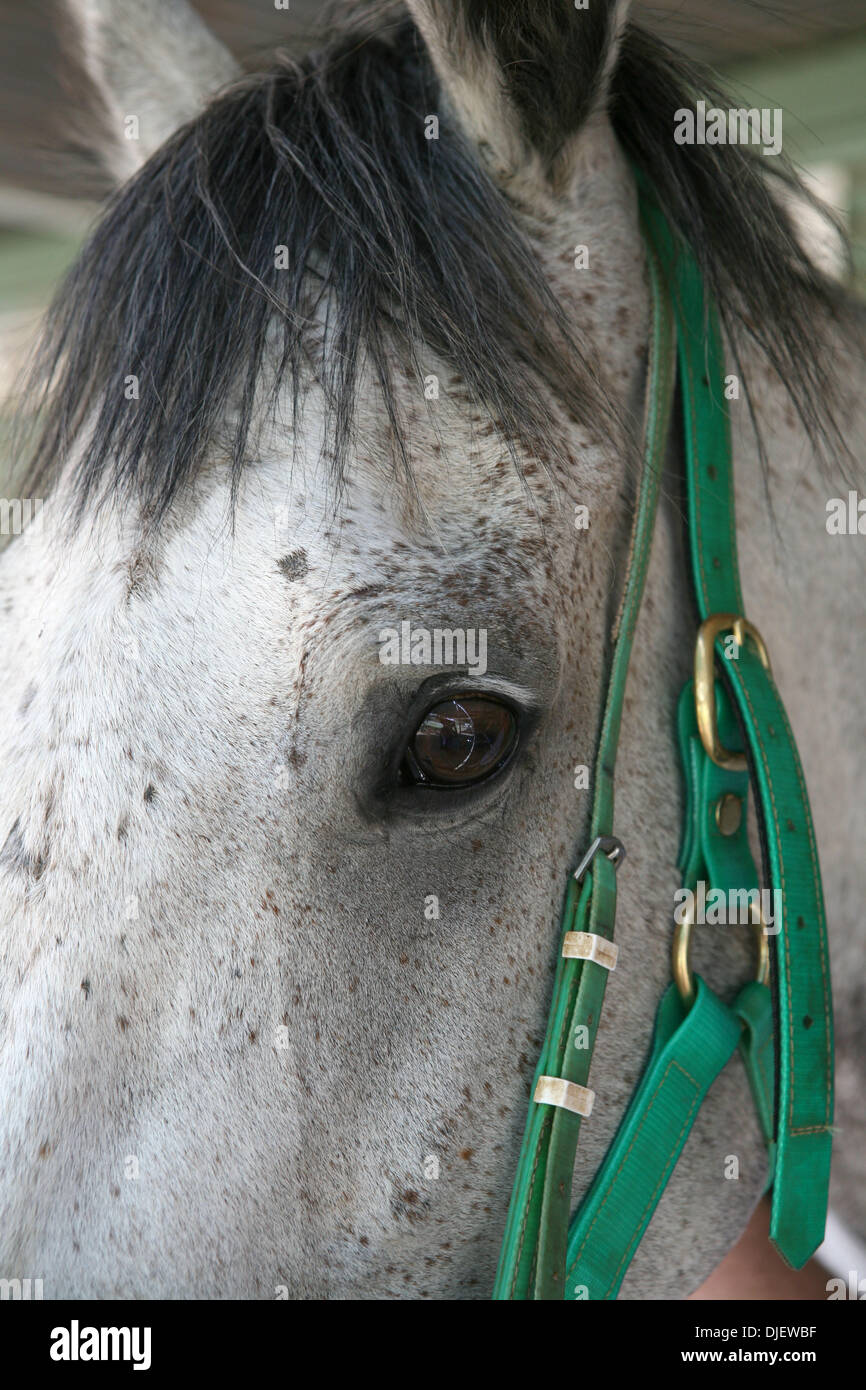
(705, 682)
(681, 965)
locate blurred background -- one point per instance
(806, 56)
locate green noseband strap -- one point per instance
(696, 1033)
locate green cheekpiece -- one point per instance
(733, 735)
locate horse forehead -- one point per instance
(444, 517)
(468, 555)
(465, 491)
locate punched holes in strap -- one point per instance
(554, 1090)
(585, 945)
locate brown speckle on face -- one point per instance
(293, 566)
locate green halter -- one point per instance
(789, 1062)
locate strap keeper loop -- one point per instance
(555, 1090)
(585, 945)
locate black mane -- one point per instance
(399, 243)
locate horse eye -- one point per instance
(461, 740)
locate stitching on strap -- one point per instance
(661, 1182)
(653, 1098)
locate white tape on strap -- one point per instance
(553, 1090)
(584, 945)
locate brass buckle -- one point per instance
(705, 682)
(681, 965)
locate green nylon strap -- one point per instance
(754, 1008)
(532, 1260)
(804, 1112)
(725, 861)
(690, 1047)
(802, 972)
(705, 853)
(721, 860)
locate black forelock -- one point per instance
(395, 244)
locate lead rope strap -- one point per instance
(801, 975)
(532, 1261)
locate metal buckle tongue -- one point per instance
(609, 845)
